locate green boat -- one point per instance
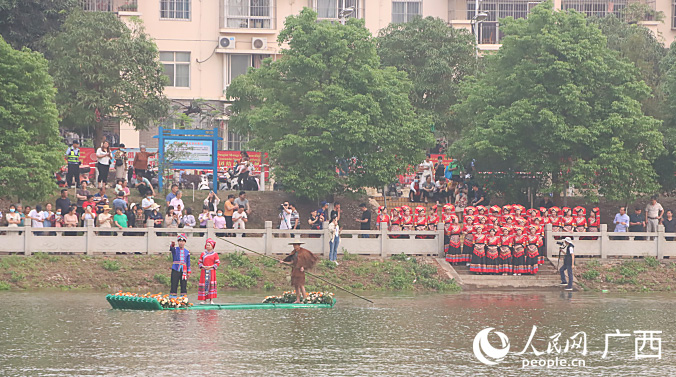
(147, 303)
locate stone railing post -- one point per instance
(659, 253)
(27, 235)
(550, 243)
(605, 241)
(383, 239)
(440, 238)
(150, 234)
(325, 239)
(268, 237)
(89, 236)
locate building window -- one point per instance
(97, 5)
(177, 68)
(489, 30)
(236, 141)
(239, 64)
(673, 15)
(404, 11)
(330, 9)
(248, 14)
(175, 9)
(598, 8)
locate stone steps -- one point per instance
(547, 277)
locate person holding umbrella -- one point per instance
(568, 263)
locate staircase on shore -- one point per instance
(547, 277)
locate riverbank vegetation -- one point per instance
(633, 275)
(237, 271)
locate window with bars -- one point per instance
(97, 5)
(236, 141)
(175, 9)
(238, 64)
(248, 14)
(404, 11)
(598, 8)
(673, 14)
(176, 67)
(330, 9)
(489, 30)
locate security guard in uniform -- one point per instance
(73, 159)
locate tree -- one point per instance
(436, 57)
(326, 101)
(29, 130)
(105, 69)
(24, 22)
(640, 46)
(556, 99)
(666, 163)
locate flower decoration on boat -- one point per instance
(165, 300)
(289, 297)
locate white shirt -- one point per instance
(238, 220)
(285, 216)
(175, 202)
(100, 157)
(39, 216)
(428, 168)
(145, 203)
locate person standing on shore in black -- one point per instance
(568, 263)
(365, 219)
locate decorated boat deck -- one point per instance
(149, 303)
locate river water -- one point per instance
(76, 333)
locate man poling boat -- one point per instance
(300, 259)
(313, 275)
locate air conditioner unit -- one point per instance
(259, 43)
(226, 42)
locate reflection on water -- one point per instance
(71, 333)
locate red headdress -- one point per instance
(495, 210)
(381, 209)
(181, 237)
(507, 208)
(468, 208)
(210, 242)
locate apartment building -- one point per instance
(205, 44)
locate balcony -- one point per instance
(109, 5)
(461, 12)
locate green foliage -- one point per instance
(24, 22)
(46, 256)
(556, 99)
(29, 131)
(348, 257)
(436, 57)
(111, 265)
(268, 286)
(162, 279)
(400, 257)
(235, 279)
(4, 286)
(325, 100)
(267, 262)
(652, 262)
(254, 272)
(591, 274)
(17, 277)
(401, 278)
(325, 263)
(101, 63)
(237, 259)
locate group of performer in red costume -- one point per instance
(506, 240)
